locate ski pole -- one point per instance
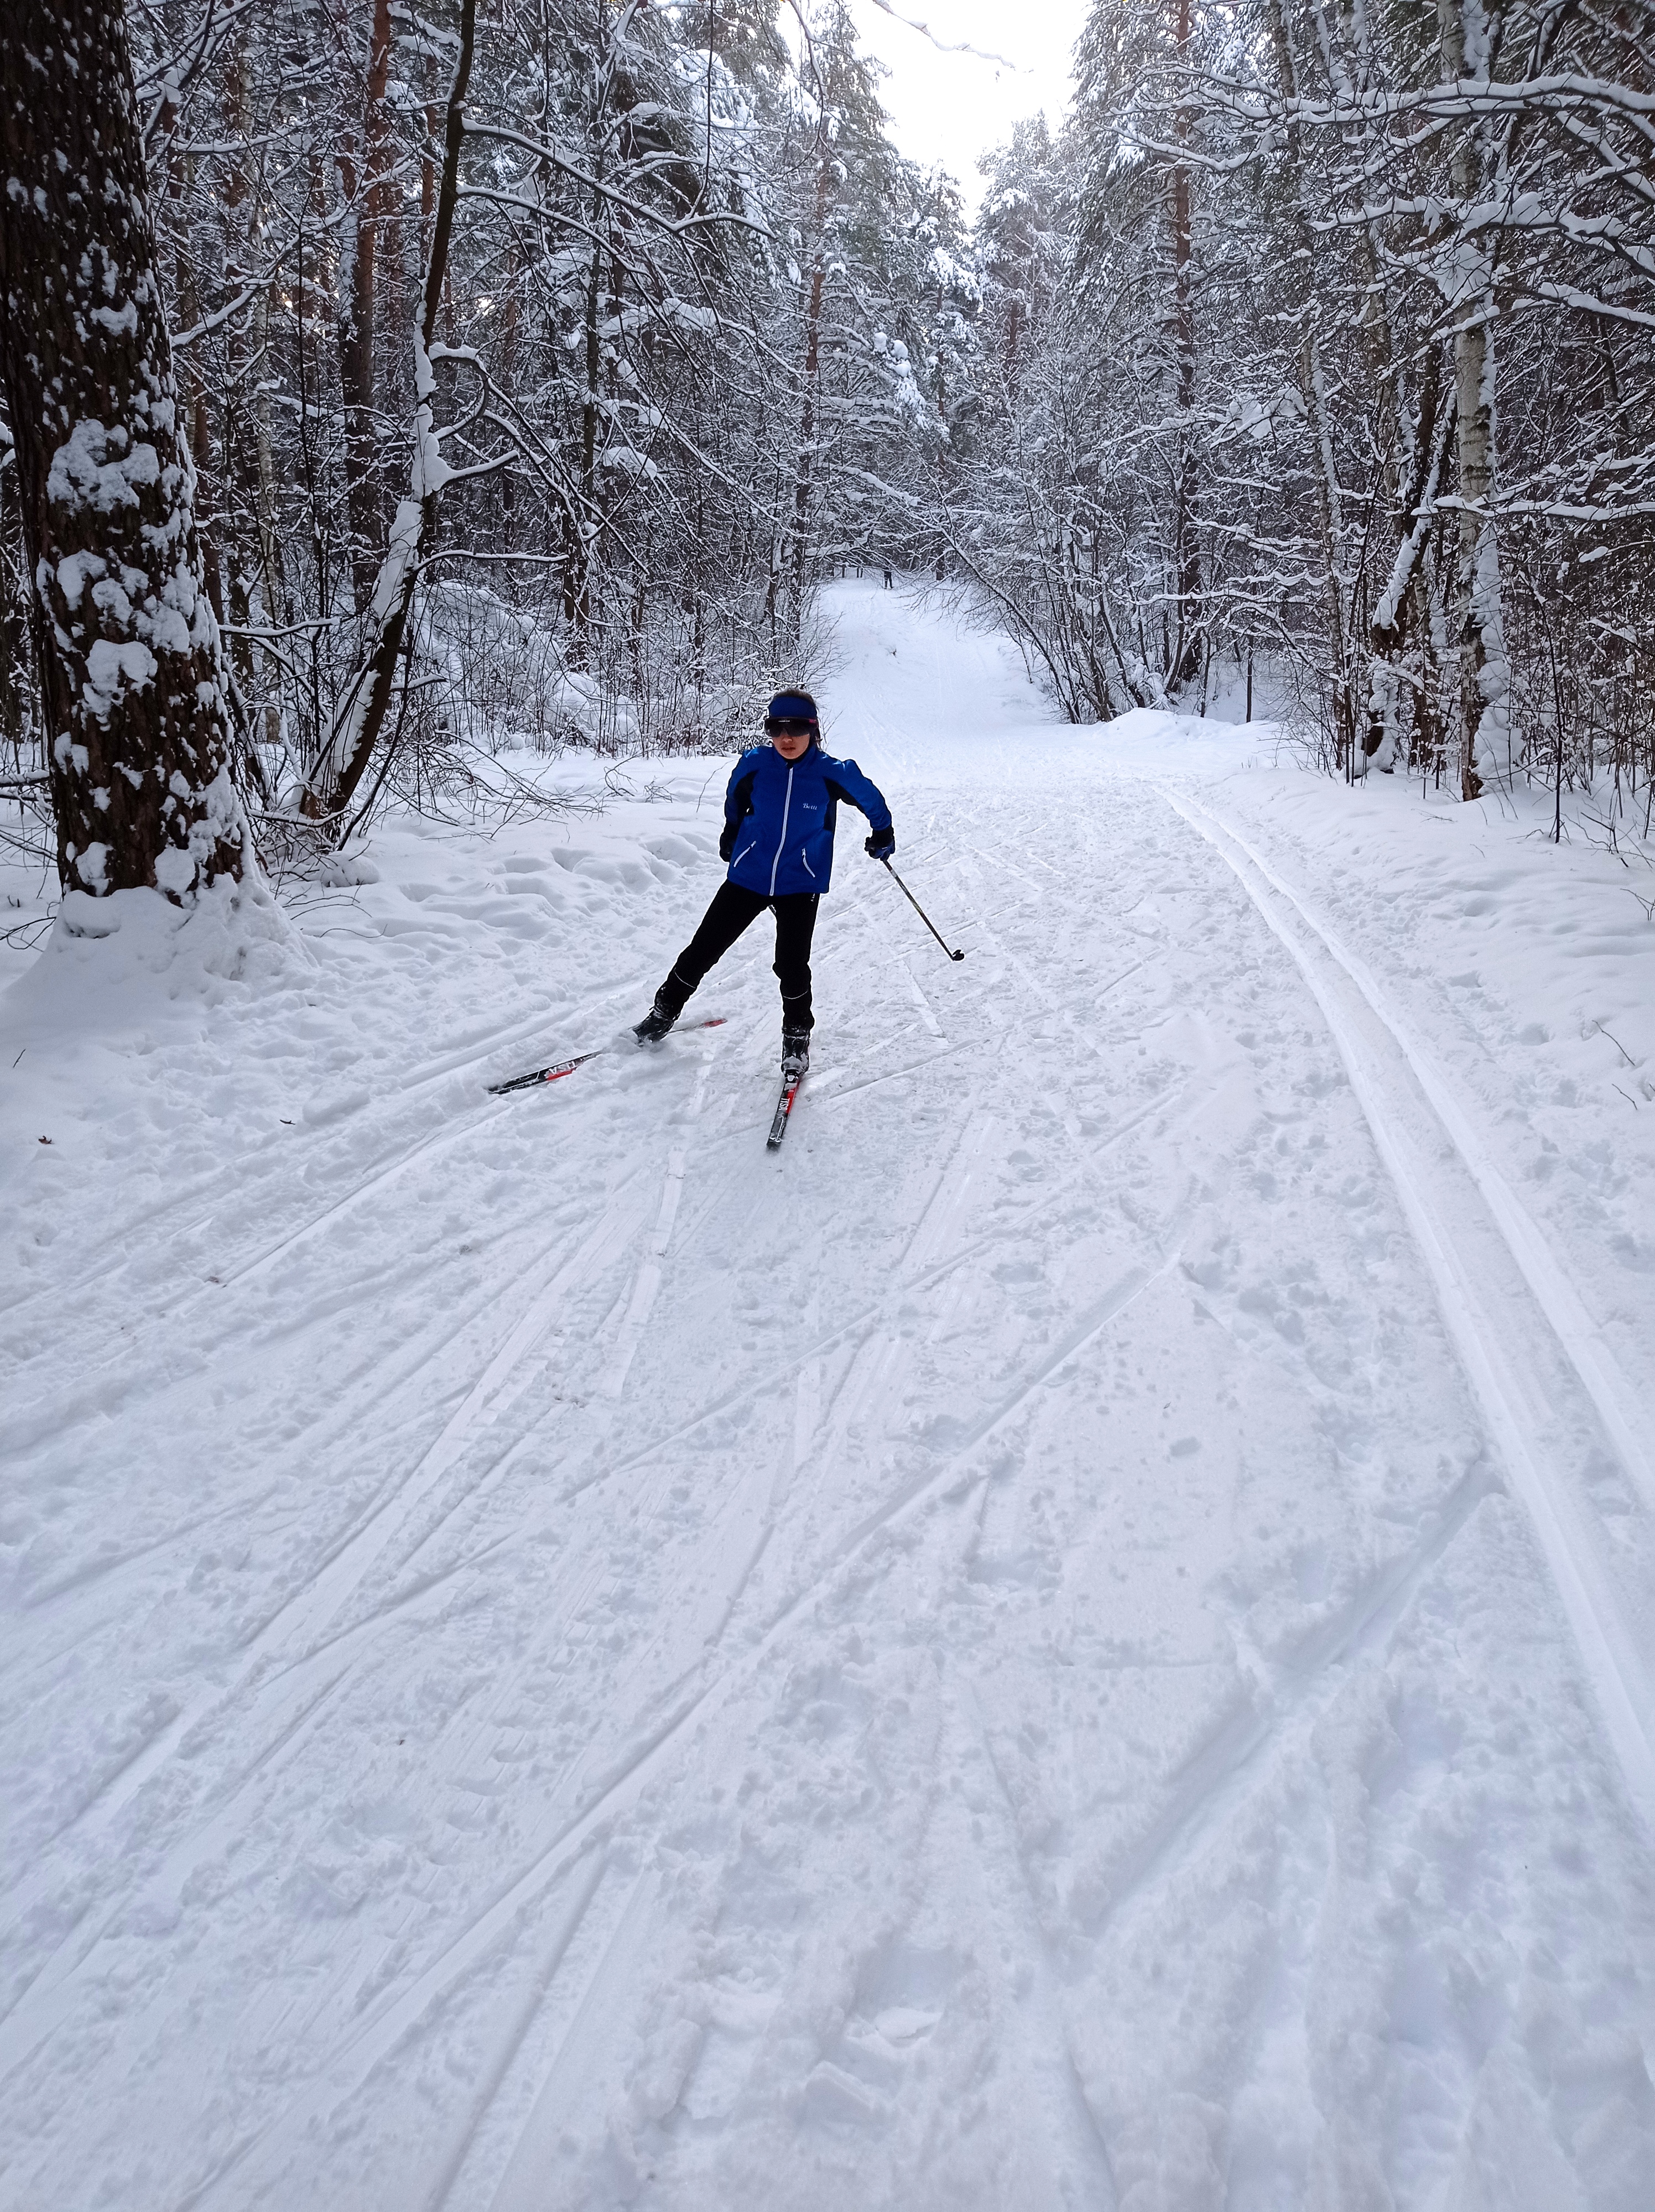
(922, 914)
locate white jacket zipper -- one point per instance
(787, 801)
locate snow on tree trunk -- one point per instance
(1187, 650)
(1403, 596)
(1468, 285)
(1314, 391)
(343, 759)
(136, 717)
(368, 199)
(810, 370)
(1485, 680)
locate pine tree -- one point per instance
(138, 722)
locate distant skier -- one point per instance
(890, 580)
(779, 816)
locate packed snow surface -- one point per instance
(1081, 1635)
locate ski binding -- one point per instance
(783, 1107)
(564, 1067)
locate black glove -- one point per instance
(726, 842)
(880, 844)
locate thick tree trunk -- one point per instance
(138, 722)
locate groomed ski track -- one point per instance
(1512, 1349)
(1080, 1635)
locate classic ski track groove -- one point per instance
(1610, 1648)
(1625, 1418)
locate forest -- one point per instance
(512, 374)
(1080, 1632)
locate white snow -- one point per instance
(95, 466)
(1079, 1635)
(110, 668)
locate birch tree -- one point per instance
(1418, 446)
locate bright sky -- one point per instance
(950, 107)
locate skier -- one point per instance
(779, 814)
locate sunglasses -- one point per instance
(788, 728)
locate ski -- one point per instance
(563, 1067)
(543, 1074)
(783, 1108)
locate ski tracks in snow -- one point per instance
(1542, 1375)
(905, 1672)
(292, 1660)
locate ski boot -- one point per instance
(795, 1054)
(656, 1022)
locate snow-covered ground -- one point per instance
(1081, 1636)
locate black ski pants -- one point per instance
(733, 910)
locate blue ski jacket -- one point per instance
(779, 818)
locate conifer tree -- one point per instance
(137, 724)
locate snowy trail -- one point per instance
(1625, 1417)
(998, 1655)
(1601, 1549)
